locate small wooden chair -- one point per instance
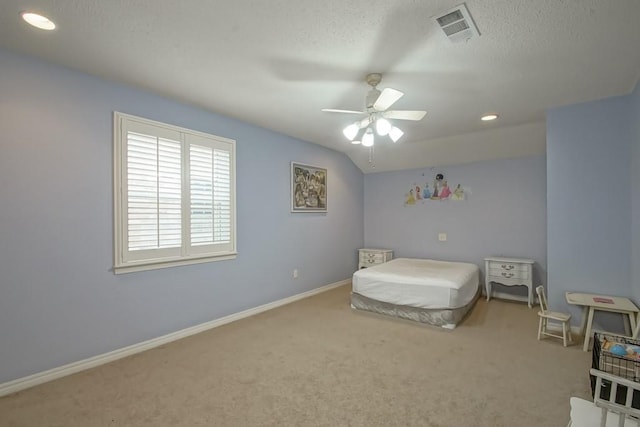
(546, 315)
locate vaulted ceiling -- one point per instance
(277, 63)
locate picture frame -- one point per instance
(308, 188)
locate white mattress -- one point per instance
(423, 283)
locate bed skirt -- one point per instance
(444, 317)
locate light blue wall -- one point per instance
(59, 301)
(589, 200)
(635, 193)
(505, 214)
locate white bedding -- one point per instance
(423, 283)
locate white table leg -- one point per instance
(583, 321)
(587, 333)
(632, 324)
(530, 297)
(626, 321)
(488, 289)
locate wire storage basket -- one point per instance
(619, 356)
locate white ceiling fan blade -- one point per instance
(404, 114)
(331, 110)
(386, 99)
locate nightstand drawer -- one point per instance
(519, 272)
(371, 257)
(514, 274)
(507, 266)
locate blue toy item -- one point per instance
(618, 350)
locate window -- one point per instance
(174, 195)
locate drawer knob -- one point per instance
(507, 266)
(507, 275)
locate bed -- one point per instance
(434, 292)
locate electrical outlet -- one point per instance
(295, 273)
(442, 237)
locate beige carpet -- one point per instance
(318, 363)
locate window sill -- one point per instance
(156, 265)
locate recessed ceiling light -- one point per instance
(489, 117)
(38, 21)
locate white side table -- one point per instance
(613, 304)
(509, 272)
(368, 257)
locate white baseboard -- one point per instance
(81, 365)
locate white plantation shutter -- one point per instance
(201, 177)
(211, 206)
(153, 192)
(209, 173)
(174, 195)
(222, 196)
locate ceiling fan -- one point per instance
(377, 112)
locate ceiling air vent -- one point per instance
(457, 24)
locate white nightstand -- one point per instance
(509, 272)
(368, 257)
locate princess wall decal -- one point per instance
(439, 192)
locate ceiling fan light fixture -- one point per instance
(395, 134)
(382, 126)
(38, 21)
(358, 139)
(378, 115)
(351, 131)
(367, 138)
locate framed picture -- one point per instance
(308, 188)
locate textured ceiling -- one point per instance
(277, 63)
